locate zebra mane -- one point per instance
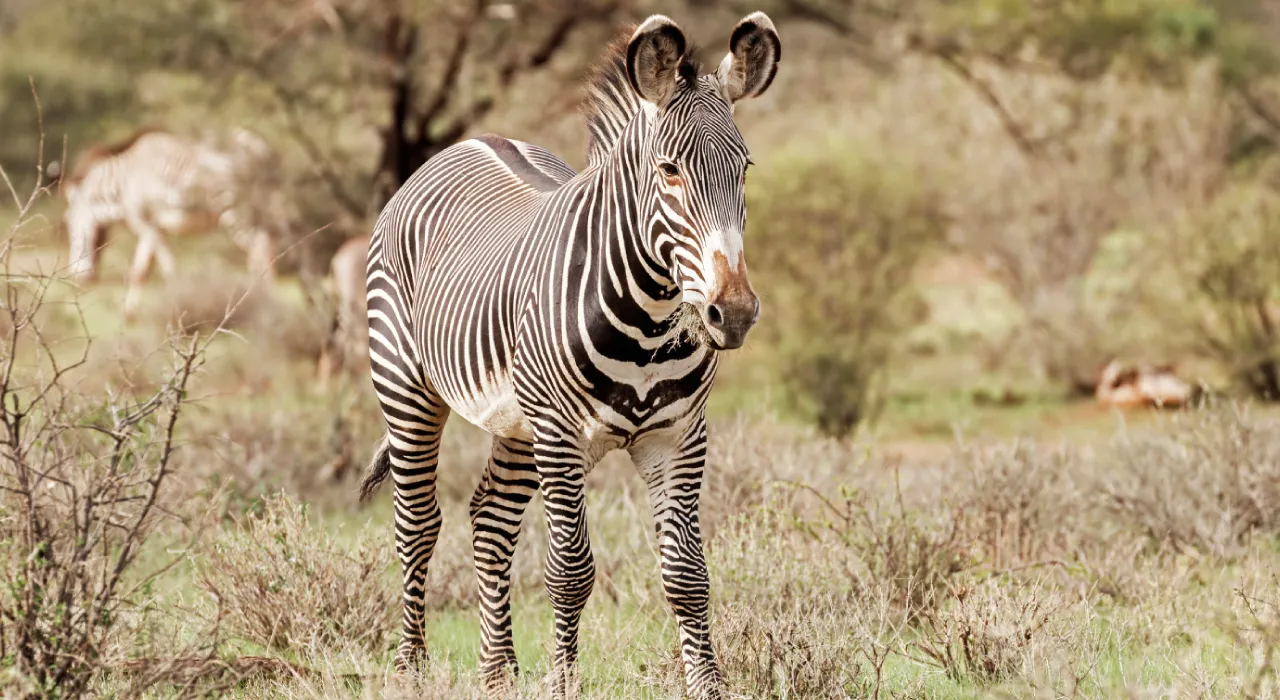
(609, 103)
(100, 152)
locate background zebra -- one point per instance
(570, 315)
(347, 344)
(162, 184)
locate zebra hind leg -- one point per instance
(413, 451)
(497, 508)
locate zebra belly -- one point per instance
(492, 407)
(179, 221)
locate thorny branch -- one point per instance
(81, 481)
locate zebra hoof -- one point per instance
(500, 682)
(411, 660)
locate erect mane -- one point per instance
(609, 103)
(100, 152)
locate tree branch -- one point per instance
(447, 86)
(988, 95)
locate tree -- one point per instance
(367, 89)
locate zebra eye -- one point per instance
(669, 170)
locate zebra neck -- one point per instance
(631, 279)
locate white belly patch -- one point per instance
(494, 409)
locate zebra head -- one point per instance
(697, 160)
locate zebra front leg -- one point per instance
(570, 569)
(673, 474)
(414, 452)
(497, 509)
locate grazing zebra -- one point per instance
(162, 184)
(570, 314)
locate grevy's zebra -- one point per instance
(162, 184)
(553, 309)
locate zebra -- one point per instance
(569, 315)
(160, 184)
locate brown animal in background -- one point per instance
(348, 343)
(1130, 387)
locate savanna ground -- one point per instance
(960, 549)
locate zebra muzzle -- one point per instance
(729, 320)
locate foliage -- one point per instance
(835, 238)
(344, 80)
(80, 100)
(1224, 262)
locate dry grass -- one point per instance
(1208, 487)
(283, 585)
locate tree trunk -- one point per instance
(1264, 380)
(406, 140)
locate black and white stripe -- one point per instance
(552, 308)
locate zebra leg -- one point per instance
(570, 569)
(164, 258)
(139, 271)
(259, 252)
(673, 473)
(414, 451)
(497, 508)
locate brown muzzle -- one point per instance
(733, 307)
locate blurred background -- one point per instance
(969, 220)
(964, 210)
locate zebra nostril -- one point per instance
(714, 316)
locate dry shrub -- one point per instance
(308, 448)
(994, 631)
(746, 455)
(1256, 628)
(84, 486)
(1206, 484)
(780, 654)
(823, 629)
(294, 332)
(911, 555)
(1020, 504)
(205, 299)
(286, 584)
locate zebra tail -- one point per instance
(379, 468)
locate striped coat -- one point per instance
(570, 314)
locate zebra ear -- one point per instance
(752, 61)
(654, 56)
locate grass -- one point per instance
(799, 589)
(959, 549)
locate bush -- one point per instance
(85, 482)
(286, 584)
(996, 631)
(1224, 263)
(203, 300)
(835, 240)
(1206, 487)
